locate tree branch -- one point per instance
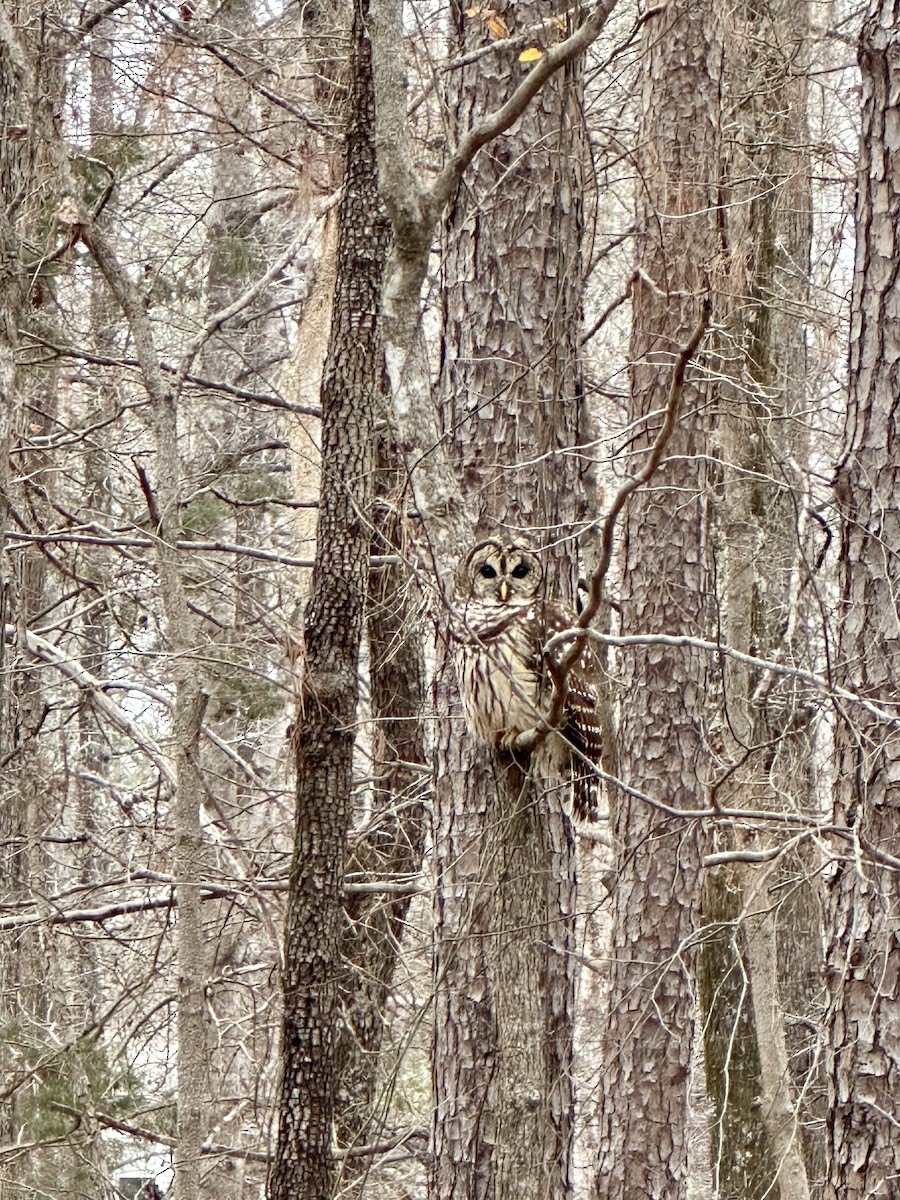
(498, 122)
(216, 385)
(559, 671)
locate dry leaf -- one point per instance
(532, 54)
(496, 25)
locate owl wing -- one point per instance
(584, 726)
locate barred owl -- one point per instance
(503, 680)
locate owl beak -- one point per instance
(504, 590)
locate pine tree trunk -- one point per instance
(505, 854)
(649, 1046)
(863, 962)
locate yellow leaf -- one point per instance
(532, 54)
(496, 26)
(472, 12)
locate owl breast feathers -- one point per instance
(504, 682)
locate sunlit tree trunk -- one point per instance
(863, 966)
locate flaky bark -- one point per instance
(415, 210)
(650, 1033)
(461, 832)
(514, 411)
(863, 965)
(324, 732)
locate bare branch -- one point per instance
(498, 122)
(654, 458)
(218, 319)
(216, 385)
(820, 682)
(559, 671)
(162, 1139)
(128, 543)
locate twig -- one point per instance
(102, 360)
(260, 1156)
(559, 671)
(126, 543)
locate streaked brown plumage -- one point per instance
(503, 678)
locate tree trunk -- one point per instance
(390, 844)
(663, 749)
(863, 958)
(756, 1143)
(31, 979)
(324, 732)
(513, 406)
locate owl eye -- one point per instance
(487, 571)
(520, 571)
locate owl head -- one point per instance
(501, 574)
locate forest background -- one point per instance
(297, 302)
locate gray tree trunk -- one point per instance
(863, 958)
(390, 845)
(757, 1146)
(31, 983)
(324, 732)
(663, 751)
(514, 409)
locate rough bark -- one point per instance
(514, 412)
(414, 210)
(31, 979)
(863, 958)
(663, 752)
(389, 846)
(512, 297)
(324, 731)
(763, 578)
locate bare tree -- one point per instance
(31, 88)
(764, 591)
